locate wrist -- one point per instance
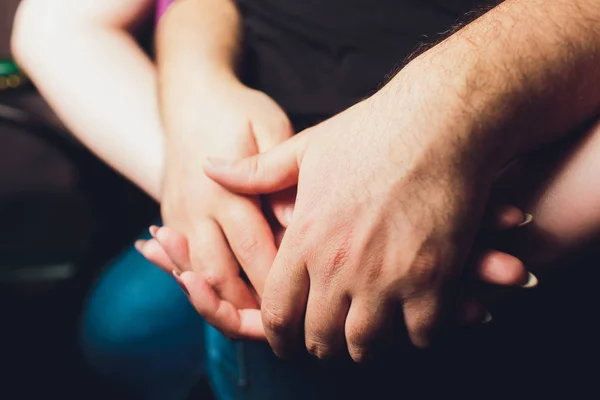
(459, 107)
(198, 106)
(432, 117)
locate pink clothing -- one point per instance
(161, 7)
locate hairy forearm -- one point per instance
(523, 74)
(197, 46)
(101, 85)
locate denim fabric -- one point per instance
(139, 331)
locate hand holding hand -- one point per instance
(223, 230)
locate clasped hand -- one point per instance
(383, 222)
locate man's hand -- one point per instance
(384, 219)
(168, 248)
(224, 230)
(390, 192)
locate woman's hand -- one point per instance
(222, 230)
(168, 248)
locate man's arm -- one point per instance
(413, 165)
(94, 75)
(523, 74)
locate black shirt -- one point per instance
(318, 57)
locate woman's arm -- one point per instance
(560, 187)
(87, 65)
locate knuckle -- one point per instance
(421, 341)
(363, 340)
(248, 246)
(255, 170)
(338, 260)
(422, 329)
(319, 348)
(283, 125)
(233, 208)
(216, 279)
(278, 325)
(357, 340)
(359, 354)
(423, 272)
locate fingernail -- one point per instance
(139, 245)
(176, 274)
(153, 230)
(487, 318)
(532, 281)
(527, 219)
(218, 162)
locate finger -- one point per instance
(174, 244)
(282, 204)
(251, 240)
(154, 253)
(423, 317)
(506, 216)
(269, 172)
(324, 322)
(369, 328)
(472, 312)
(272, 131)
(284, 300)
(279, 233)
(498, 268)
(233, 322)
(211, 256)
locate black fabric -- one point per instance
(318, 57)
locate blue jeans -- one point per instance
(140, 332)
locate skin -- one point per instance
(107, 32)
(422, 181)
(207, 111)
(169, 250)
(565, 201)
(96, 41)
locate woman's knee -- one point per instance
(137, 324)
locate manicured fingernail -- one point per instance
(139, 245)
(487, 318)
(176, 274)
(532, 281)
(153, 230)
(218, 162)
(527, 219)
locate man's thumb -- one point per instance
(269, 172)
